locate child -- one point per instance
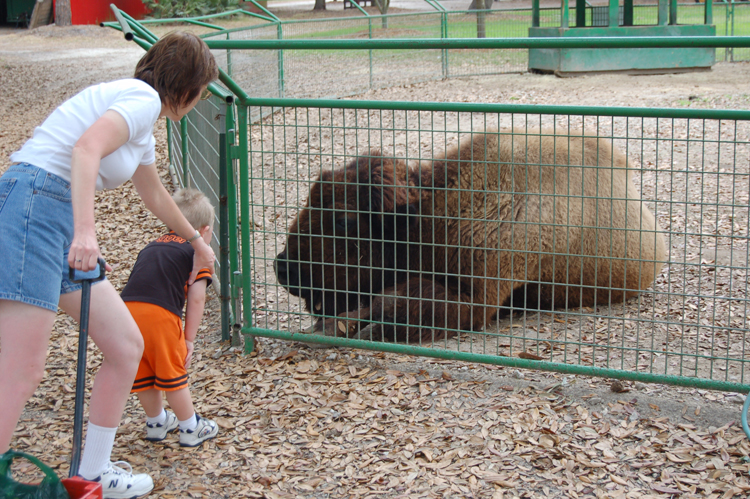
(155, 294)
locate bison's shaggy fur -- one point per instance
(391, 251)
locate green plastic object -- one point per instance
(19, 11)
(49, 488)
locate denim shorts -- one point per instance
(36, 224)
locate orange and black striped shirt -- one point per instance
(160, 274)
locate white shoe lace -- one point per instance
(119, 470)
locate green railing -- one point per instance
(689, 166)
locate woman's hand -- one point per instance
(203, 258)
(84, 251)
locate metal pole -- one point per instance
(242, 129)
(223, 224)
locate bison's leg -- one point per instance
(418, 309)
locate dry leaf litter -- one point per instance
(323, 423)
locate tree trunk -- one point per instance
(320, 5)
(62, 13)
(481, 18)
(382, 6)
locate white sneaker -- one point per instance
(118, 483)
(205, 430)
(157, 432)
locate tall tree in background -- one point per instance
(62, 13)
(480, 6)
(383, 8)
(320, 5)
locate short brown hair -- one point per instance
(195, 207)
(178, 66)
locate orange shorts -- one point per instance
(163, 363)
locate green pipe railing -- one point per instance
(487, 43)
(534, 109)
(501, 361)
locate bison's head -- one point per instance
(341, 246)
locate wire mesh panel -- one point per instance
(497, 24)
(326, 73)
(737, 24)
(200, 168)
(613, 244)
(257, 71)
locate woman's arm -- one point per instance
(102, 138)
(160, 203)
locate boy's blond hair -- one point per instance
(195, 206)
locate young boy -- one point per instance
(155, 294)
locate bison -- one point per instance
(507, 218)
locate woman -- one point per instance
(98, 139)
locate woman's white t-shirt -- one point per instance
(51, 146)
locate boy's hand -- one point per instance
(189, 356)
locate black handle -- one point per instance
(93, 275)
(86, 278)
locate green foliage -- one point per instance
(188, 8)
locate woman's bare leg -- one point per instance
(24, 337)
(114, 331)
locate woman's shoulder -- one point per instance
(127, 86)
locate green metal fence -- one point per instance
(693, 173)
(690, 168)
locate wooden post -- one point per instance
(62, 13)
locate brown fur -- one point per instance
(396, 253)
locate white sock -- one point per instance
(97, 451)
(160, 419)
(189, 424)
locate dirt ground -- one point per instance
(324, 423)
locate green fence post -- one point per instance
(170, 149)
(229, 59)
(185, 153)
(229, 172)
(730, 13)
(223, 225)
(535, 13)
(672, 12)
(709, 18)
(280, 35)
(247, 310)
(369, 26)
(627, 18)
(444, 35)
(614, 13)
(663, 16)
(581, 13)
